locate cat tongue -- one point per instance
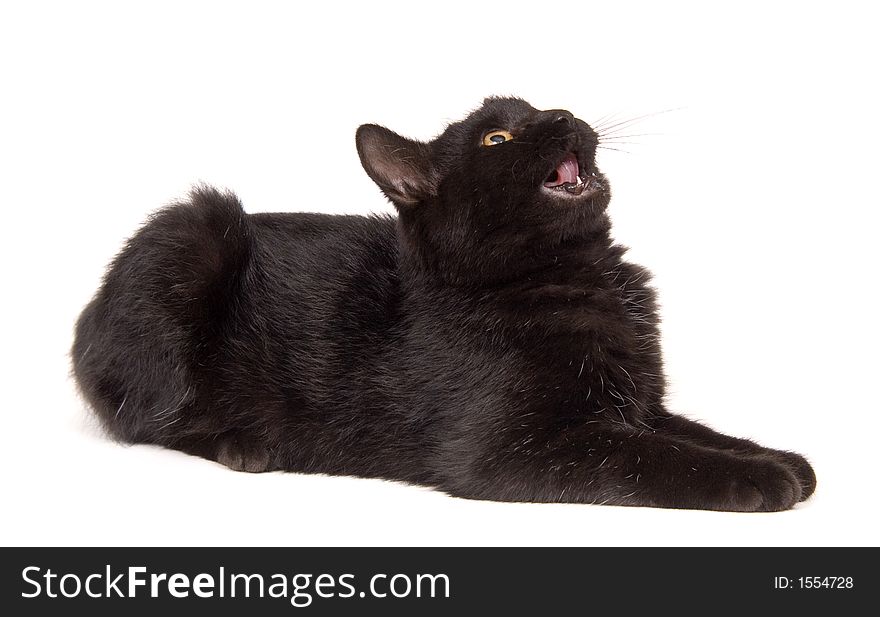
(566, 172)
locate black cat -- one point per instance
(490, 342)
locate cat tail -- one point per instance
(162, 309)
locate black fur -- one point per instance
(490, 342)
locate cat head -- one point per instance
(495, 193)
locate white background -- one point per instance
(754, 202)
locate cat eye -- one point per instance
(498, 136)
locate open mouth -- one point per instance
(566, 178)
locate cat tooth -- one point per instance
(574, 189)
(571, 188)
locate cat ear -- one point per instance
(401, 167)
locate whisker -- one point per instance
(626, 135)
(616, 141)
(621, 123)
(630, 121)
(608, 119)
(616, 125)
(604, 119)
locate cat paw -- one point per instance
(763, 485)
(802, 470)
(236, 456)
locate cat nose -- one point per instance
(559, 116)
(552, 116)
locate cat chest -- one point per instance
(596, 359)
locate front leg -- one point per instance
(602, 463)
(687, 430)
